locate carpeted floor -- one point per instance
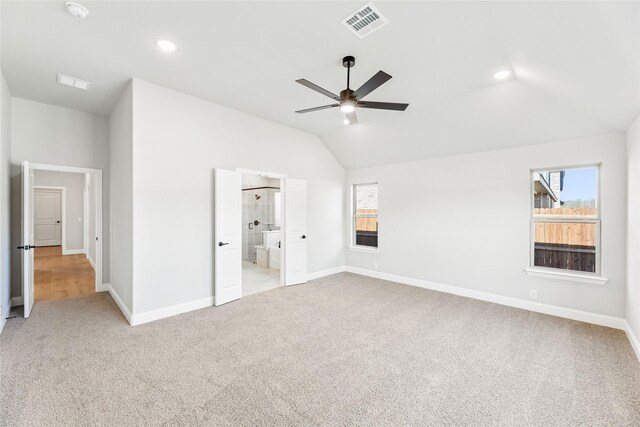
(343, 350)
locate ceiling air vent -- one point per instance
(365, 20)
(73, 82)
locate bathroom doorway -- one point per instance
(262, 223)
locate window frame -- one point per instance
(534, 270)
(355, 216)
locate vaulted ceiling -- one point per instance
(576, 64)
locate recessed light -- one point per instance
(346, 121)
(501, 75)
(77, 10)
(166, 45)
(73, 82)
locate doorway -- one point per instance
(261, 233)
(61, 247)
(234, 242)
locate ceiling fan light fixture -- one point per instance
(348, 106)
(346, 122)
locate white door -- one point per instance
(295, 214)
(47, 217)
(228, 236)
(26, 249)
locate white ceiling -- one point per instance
(577, 66)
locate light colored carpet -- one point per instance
(343, 350)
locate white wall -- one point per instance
(48, 134)
(178, 141)
(464, 221)
(120, 152)
(74, 208)
(633, 226)
(5, 200)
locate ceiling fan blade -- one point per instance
(318, 89)
(372, 84)
(382, 105)
(353, 119)
(324, 107)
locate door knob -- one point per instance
(222, 244)
(303, 237)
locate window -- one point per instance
(365, 215)
(565, 220)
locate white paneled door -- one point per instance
(26, 246)
(295, 213)
(228, 236)
(48, 217)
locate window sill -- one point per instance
(364, 249)
(573, 277)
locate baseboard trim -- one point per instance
(325, 273)
(17, 301)
(120, 303)
(73, 251)
(161, 313)
(553, 310)
(93, 264)
(633, 339)
(103, 288)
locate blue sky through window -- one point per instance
(579, 184)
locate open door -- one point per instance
(295, 214)
(228, 236)
(27, 247)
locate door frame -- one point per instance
(63, 211)
(97, 173)
(283, 228)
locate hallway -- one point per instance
(60, 276)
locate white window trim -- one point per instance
(352, 240)
(557, 273)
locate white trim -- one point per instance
(573, 277)
(56, 168)
(161, 313)
(103, 288)
(119, 302)
(93, 264)
(73, 251)
(261, 173)
(17, 301)
(567, 313)
(633, 339)
(325, 273)
(364, 249)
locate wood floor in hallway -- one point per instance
(60, 276)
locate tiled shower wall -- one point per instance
(256, 208)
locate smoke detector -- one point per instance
(77, 10)
(365, 20)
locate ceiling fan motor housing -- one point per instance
(347, 94)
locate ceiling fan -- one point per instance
(350, 99)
